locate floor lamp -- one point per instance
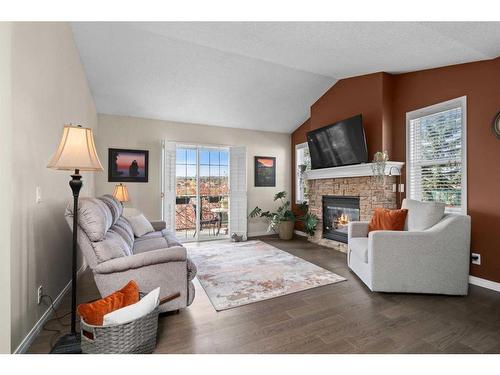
(76, 152)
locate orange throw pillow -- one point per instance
(130, 293)
(385, 219)
(93, 312)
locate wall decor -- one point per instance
(265, 171)
(127, 165)
(496, 125)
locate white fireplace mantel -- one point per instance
(358, 170)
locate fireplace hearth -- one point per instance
(338, 211)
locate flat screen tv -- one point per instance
(342, 143)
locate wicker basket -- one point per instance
(137, 336)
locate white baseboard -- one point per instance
(484, 283)
(300, 233)
(30, 337)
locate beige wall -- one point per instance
(49, 89)
(138, 133)
(5, 189)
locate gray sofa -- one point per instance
(115, 256)
(431, 255)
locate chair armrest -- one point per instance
(357, 229)
(171, 254)
(158, 225)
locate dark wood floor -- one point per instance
(339, 318)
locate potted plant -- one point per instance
(283, 220)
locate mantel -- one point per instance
(357, 170)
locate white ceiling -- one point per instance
(257, 75)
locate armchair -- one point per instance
(434, 260)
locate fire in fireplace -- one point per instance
(338, 211)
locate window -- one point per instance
(302, 164)
(436, 154)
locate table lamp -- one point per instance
(121, 193)
(76, 152)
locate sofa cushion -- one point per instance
(113, 246)
(125, 225)
(148, 244)
(114, 206)
(94, 217)
(422, 215)
(124, 234)
(359, 247)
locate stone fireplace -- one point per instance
(343, 194)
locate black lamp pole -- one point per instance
(70, 343)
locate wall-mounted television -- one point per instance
(342, 143)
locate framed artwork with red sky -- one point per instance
(265, 171)
(127, 165)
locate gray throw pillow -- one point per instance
(422, 215)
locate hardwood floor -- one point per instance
(339, 318)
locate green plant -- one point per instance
(283, 212)
(309, 221)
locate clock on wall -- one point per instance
(496, 125)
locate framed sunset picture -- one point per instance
(265, 171)
(127, 165)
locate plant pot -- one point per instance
(285, 231)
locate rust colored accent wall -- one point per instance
(480, 82)
(352, 96)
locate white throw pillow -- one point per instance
(140, 225)
(422, 215)
(135, 311)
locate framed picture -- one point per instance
(127, 165)
(265, 171)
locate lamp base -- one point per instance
(67, 344)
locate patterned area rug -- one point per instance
(236, 274)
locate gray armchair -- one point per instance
(416, 260)
(115, 256)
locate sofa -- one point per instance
(431, 255)
(116, 256)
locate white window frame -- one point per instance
(433, 109)
(298, 199)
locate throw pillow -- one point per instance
(130, 293)
(385, 219)
(140, 225)
(422, 215)
(94, 312)
(132, 312)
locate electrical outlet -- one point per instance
(39, 294)
(394, 188)
(476, 258)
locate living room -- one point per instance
(250, 187)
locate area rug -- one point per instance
(236, 274)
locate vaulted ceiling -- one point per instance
(257, 75)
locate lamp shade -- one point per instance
(121, 193)
(76, 150)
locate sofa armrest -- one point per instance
(158, 225)
(171, 254)
(357, 229)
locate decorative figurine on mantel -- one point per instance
(380, 160)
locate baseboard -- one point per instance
(300, 233)
(30, 337)
(484, 283)
(260, 233)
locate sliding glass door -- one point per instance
(201, 204)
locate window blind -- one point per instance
(436, 158)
